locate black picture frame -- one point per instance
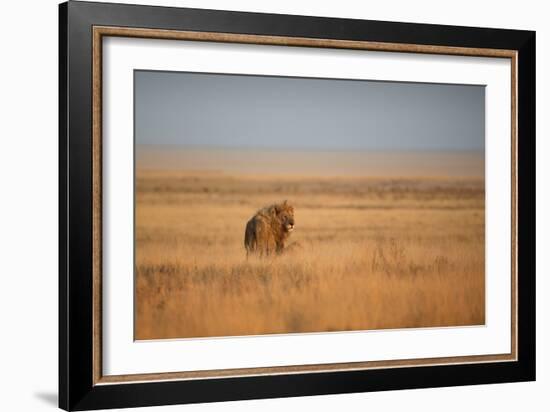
(77, 390)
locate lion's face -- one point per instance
(285, 212)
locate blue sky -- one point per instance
(236, 111)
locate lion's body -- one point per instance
(267, 231)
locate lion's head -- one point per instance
(285, 215)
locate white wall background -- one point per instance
(28, 206)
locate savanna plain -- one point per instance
(381, 241)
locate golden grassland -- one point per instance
(374, 253)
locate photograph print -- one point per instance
(287, 205)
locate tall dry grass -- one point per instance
(375, 253)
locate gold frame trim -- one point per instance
(100, 31)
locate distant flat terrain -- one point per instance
(312, 163)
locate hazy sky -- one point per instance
(295, 113)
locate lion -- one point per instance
(267, 231)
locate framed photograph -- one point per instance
(256, 205)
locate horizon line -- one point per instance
(313, 149)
